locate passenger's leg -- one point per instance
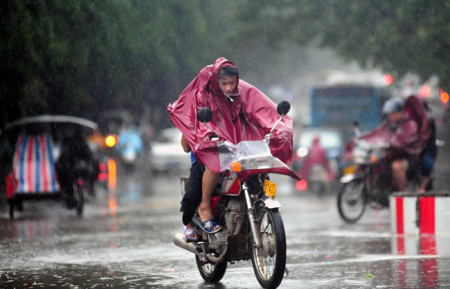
(193, 194)
(426, 167)
(192, 198)
(399, 168)
(210, 181)
(423, 183)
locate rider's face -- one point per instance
(227, 84)
(395, 116)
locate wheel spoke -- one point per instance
(264, 260)
(211, 272)
(269, 260)
(265, 228)
(352, 201)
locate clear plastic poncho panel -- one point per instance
(245, 151)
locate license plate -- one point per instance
(270, 188)
(349, 170)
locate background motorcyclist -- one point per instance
(130, 145)
(74, 149)
(316, 155)
(401, 135)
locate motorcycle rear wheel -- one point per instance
(211, 273)
(269, 261)
(352, 201)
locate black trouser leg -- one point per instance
(193, 195)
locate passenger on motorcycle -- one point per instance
(192, 196)
(400, 133)
(417, 109)
(428, 158)
(240, 112)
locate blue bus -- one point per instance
(340, 106)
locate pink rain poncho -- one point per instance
(404, 139)
(416, 110)
(316, 156)
(249, 116)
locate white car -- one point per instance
(167, 154)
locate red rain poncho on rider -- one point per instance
(316, 156)
(248, 116)
(402, 139)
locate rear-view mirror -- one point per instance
(204, 114)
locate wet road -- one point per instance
(124, 240)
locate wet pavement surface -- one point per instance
(124, 240)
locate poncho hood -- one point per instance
(214, 80)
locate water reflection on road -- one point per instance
(124, 239)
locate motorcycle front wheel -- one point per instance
(269, 261)
(211, 273)
(351, 201)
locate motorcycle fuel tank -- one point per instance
(229, 184)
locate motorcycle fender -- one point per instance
(348, 178)
(267, 203)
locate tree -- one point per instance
(397, 36)
(80, 57)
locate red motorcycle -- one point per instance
(244, 205)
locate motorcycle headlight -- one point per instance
(255, 164)
(111, 141)
(359, 159)
(302, 152)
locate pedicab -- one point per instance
(41, 164)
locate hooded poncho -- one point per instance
(249, 116)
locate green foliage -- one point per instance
(83, 56)
(398, 36)
(80, 57)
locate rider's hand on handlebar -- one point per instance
(211, 138)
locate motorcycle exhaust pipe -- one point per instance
(180, 240)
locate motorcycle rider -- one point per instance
(240, 112)
(400, 133)
(227, 83)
